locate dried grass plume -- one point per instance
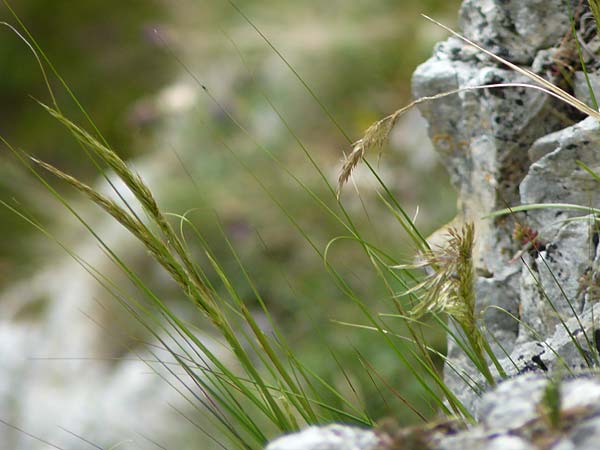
(377, 133)
(449, 288)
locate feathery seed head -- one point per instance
(450, 287)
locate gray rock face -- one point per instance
(582, 90)
(515, 29)
(512, 417)
(555, 175)
(502, 147)
(483, 138)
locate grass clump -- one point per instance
(268, 390)
(550, 405)
(450, 289)
(271, 385)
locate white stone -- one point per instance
(332, 437)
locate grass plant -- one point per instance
(551, 403)
(269, 390)
(450, 289)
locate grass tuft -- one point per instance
(550, 405)
(450, 289)
(273, 383)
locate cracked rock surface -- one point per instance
(513, 146)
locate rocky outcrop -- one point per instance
(511, 146)
(513, 416)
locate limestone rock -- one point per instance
(515, 29)
(555, 282)
(502, 147)
(582, 90)
(483, 137)
(332, 437)
(511, 417)
(555, 175)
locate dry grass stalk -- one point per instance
(156, 246)
(555, 90)
(373, 138)
(377, 133)
(449, 288)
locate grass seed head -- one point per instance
(450, 287)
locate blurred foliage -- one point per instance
(107, 59)
(105, 54)
(357, 56)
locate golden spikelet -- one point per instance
(373, 139)
(449, 288)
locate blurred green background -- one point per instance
(356, 55)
